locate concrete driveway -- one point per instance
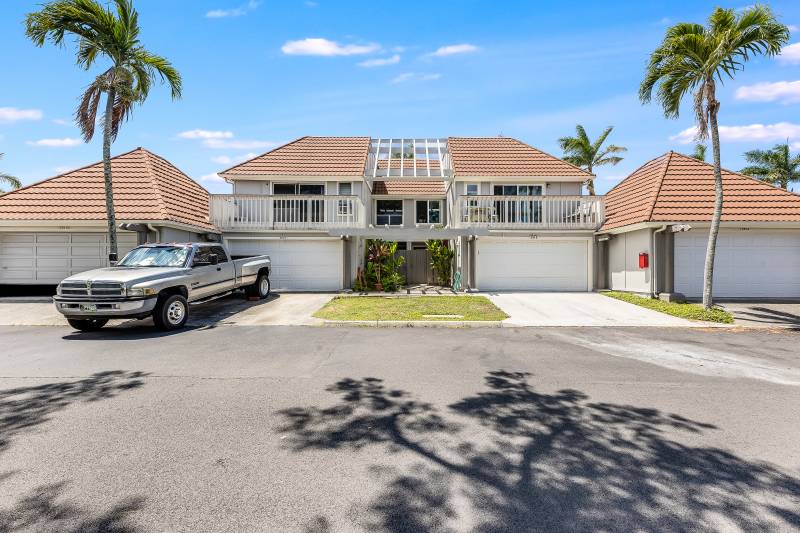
(578, 309)
(764, 314)
(280, 309)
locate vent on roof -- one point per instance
(408, 158)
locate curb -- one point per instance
(413, 323)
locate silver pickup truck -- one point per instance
(159, 280)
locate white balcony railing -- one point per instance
(530, 212)
(259, 212)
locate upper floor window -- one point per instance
(472, 189)
(429, 211)
(518, 190)
(345, 188)
(389, 212)
(298, 188)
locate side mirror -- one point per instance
(213, 259)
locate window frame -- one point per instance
(297, 185)
(401, 215)
(542, 186)
(427, 210)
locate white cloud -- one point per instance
(205, 134)
(790, 54)
(315, 46)
(235, 12)
(454, 49)
(63, 169)
(749, 133)
(13, 114)
(793, 28)
(311, 4)
(236, 144)
(380, 62)
(56, 143)
(414, 76)
(213, 177)
(221, 160)
(783, 91)
(60, 122)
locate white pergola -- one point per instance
(408, 158)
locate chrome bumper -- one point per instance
(73, 307)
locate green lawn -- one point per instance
(685, 310)
(456, 308)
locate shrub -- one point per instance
(441, 261)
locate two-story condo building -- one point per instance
(514, 215)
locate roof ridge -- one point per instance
(556, 157)
(154, 179)
(34, 184)
(265, 153)
(637, 169)
(660, 184)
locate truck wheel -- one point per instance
(87, 324)
(260, 288)
(171, 312)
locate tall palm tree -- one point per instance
(694, 58)
(774, 166)
(9, 180)
(112, 35)
(699, 152)
(582, 152)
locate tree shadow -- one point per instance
(23, 408)
(544, 462)
(44, 509)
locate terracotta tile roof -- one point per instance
(409, 188)
(504, 156)
(678, 188)
(146, 187)
(309, 156)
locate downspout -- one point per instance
(654, 276)
(156, 231)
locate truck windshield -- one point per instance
(159, 256)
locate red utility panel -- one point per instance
(644, 260)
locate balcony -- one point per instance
(530, 212)
(290, 212)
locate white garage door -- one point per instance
(47, 258)
(298, 265)
(535, 265)
(748, 264)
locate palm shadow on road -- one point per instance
(46, 507)
(549, 462)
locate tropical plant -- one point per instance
(699, 152)
(392, 278)
(113, 35)
(694, 58)
(587, 154)
(775, 166)
(9, 180)
(382, 269)
(441, 261)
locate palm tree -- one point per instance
(699, 152)
(113, 35)
(582, 152)
(694, 58)
(9, 180)
(774, 166)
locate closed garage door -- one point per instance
(535, 265)
(298, 265)
(47, 258)
(748, 264)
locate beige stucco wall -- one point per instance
(623, 261)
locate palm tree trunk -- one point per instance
(590, 182)
(110, 216)
(708, 275)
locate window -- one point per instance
(389, 212)
(429, 211)
(298, 188)
(517, 190)
(472, 189)
(517, 211)
(345, 189)
(222, 257)
(201, 256)
(156, 256)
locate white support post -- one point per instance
(427, 158)
(377, 157)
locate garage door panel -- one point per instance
(47, 258)
(506, 264)
(748, 264)
(298, 265)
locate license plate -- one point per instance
(89, 308)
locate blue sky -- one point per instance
(257, 74)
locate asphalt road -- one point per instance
(320, 429)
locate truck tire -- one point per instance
(171, 312)
(87, 324)
(260, 289)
